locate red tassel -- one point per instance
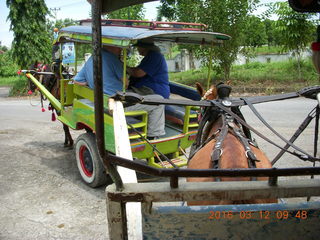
(53, 117)
(29, 92)
(43, 110)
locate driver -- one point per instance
(152, 72)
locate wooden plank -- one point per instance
(251, 221)
(123, 149)
(188, 191)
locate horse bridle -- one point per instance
(229, 125)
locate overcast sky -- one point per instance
(74, 9)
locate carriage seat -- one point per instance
(138, 119)
(176, 114)
(185, 117)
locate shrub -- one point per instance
(7, 66)
(19, 87)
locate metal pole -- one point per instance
(98, 91)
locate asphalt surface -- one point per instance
(41, 193)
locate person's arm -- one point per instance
(80, 78)
(136, 72)
(80, 83)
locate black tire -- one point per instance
(89, 162)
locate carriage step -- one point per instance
(179, 162)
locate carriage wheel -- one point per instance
(89, 162)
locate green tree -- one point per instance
(254, 35)
(31, 39)
(61, 23)
(135, 12)
(254, 32)
(270, 32)
(4, 48)
(296, 30)
(227, 16)
(182, 11)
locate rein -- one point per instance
(309, 92)
(302, 155)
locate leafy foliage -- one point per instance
(61, 23)
(7, 65)
(271, 32)
(221, 16)
(135, 12)
(258, 75)
(255, 32)
(296, 29)
(254, 36)
(3, 48)
(31, 39)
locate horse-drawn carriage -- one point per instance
(120, 136)
(75, 104)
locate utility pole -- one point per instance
(55, 11)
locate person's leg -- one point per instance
(156, 116)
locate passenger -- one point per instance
(152, 72)
(112, 73)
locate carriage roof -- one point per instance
(124, 36)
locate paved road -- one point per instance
(41, 193)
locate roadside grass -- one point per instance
(272, 76)
(18, 85)
(268, 50)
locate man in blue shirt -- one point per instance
(112, 75)
(152, 72)
(111, 71)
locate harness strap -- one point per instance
(197, 145)
(228, 124)
(195, 150)
(250, 155)
(304, 156)
(300, 129)
(272, 129)
(217, 152)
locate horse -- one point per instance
(52, 83)
(223, 143)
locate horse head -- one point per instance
(213, 92)
(223, 143)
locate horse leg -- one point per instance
(68, 141)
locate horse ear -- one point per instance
(214, 94)
(200, 89)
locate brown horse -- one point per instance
(52, 83)
(222, 143)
